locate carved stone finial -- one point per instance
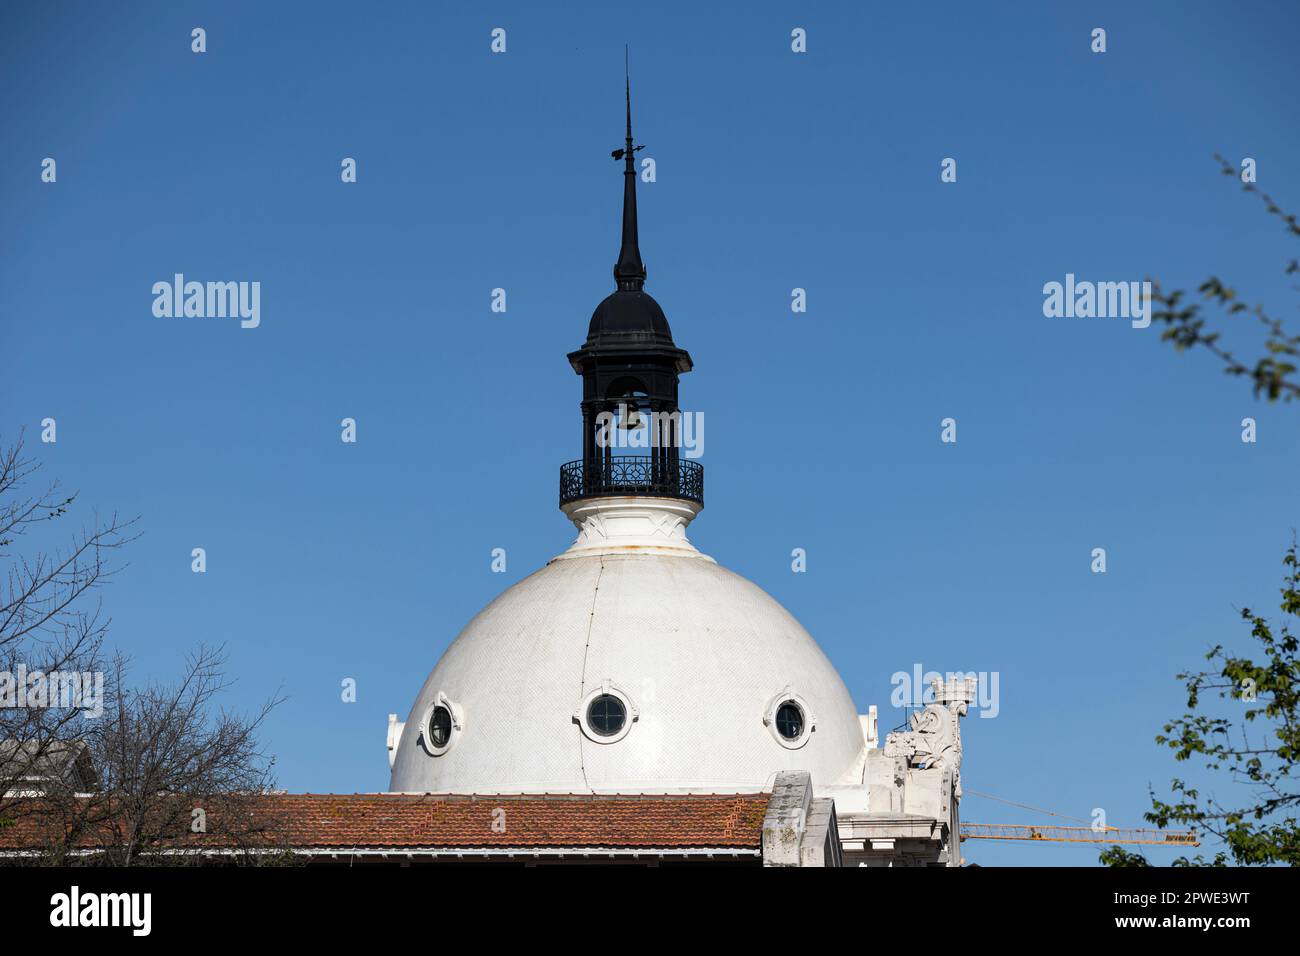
(935, 738)
(955, 690)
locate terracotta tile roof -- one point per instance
(324, 821)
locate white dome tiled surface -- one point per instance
(700, 651)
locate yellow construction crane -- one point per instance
(1059, 834)
(1071, 834)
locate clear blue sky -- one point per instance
(775, 170)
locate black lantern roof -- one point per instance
(627, 313)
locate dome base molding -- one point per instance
(632, 524)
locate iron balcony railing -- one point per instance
(632, 476)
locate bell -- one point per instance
(630, 416)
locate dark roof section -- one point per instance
(629, 316)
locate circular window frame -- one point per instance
(788, 696)
(457, 725)
(606, 688)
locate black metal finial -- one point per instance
(627, 92)
(629, 271)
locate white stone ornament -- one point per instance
(395, 728)
(934, 740)
(632, 525)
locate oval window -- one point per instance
(789, 720)
(439, 729)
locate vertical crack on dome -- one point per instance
(582, 679)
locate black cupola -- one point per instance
(629, 367)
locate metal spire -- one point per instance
(629, 271)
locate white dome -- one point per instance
(701, 657)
